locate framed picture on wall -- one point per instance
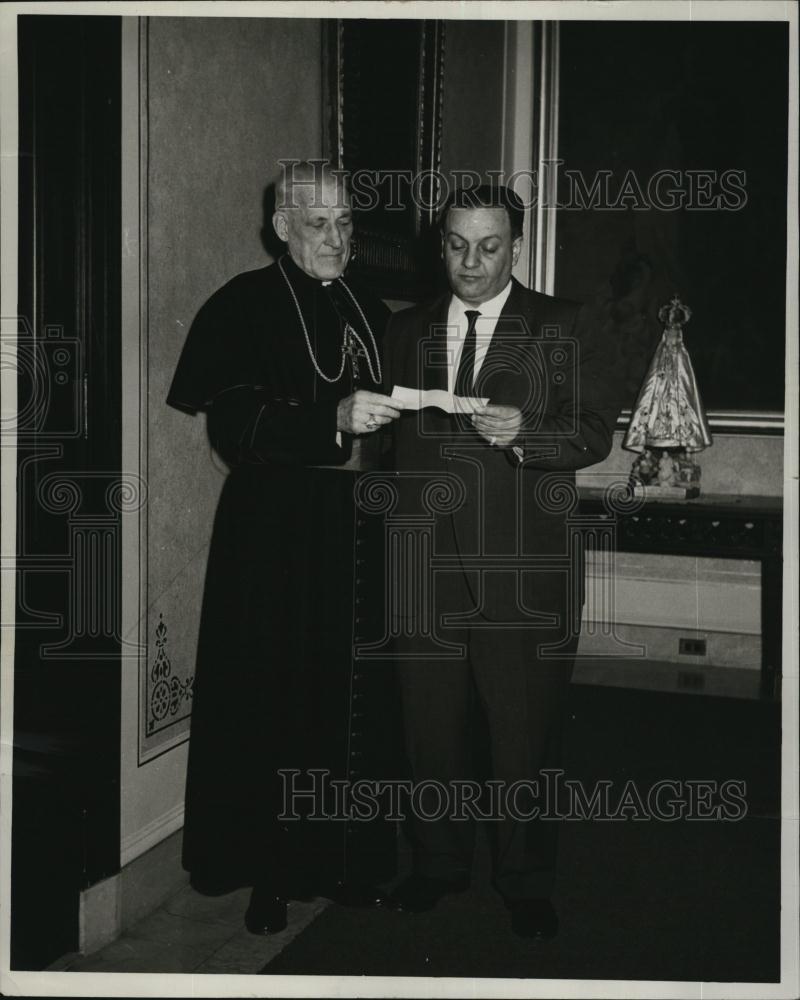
(383, 106)
(672, 172)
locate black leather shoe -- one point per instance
(533, 918)
(266, 913)
(420, 893)
(358, 894)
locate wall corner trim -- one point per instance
(117, 903)
(152, 834)
(99, 919)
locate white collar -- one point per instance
(491, 308)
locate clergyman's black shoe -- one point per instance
(420, 893)
(266, 913)
(358, 894)
(533, 918)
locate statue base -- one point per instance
(657, 492)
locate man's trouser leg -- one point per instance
(524, 695)
(437, 695)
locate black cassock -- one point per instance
(294, 578)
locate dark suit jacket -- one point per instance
(545, 359)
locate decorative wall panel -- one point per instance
(219, 105)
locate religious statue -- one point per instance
(668, 423)
(666, 470)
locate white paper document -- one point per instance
(418, 399)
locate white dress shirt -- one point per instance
(457, 323)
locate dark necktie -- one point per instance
(465, 375)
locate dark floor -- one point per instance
(634, 903)
(638, 899)
(693, 900)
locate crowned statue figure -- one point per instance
(669, 423)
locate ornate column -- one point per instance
(409, 559)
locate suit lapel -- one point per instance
(514, 329)
(432, 349)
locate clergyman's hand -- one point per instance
(364, 412)
(500, 425)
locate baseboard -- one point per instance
(152, 834)
(115, 904)
(644, 675)
(646, 644)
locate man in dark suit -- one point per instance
(506, 583)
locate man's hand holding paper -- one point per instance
(499, 424)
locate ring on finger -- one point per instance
(372, 423)
(493, 440)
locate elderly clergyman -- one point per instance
(285, 361)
